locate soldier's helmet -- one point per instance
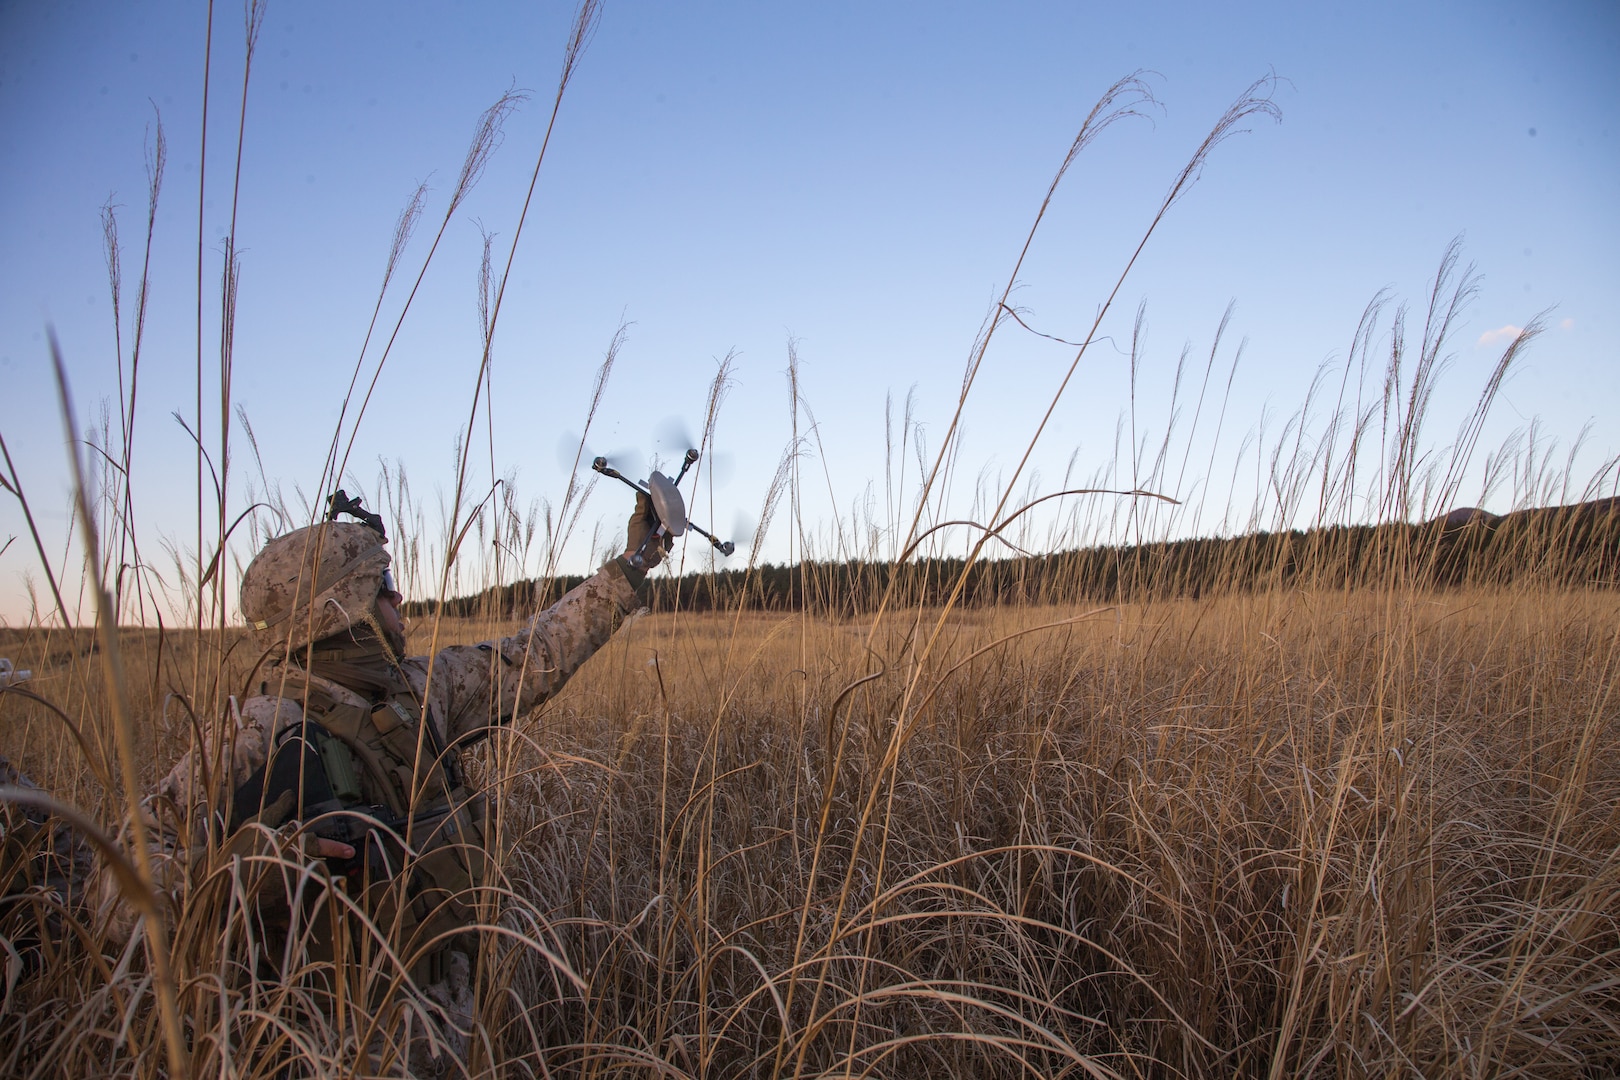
(312, 583)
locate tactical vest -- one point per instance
(377, 778)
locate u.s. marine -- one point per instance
(354, 747)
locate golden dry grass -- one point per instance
(1330, 834)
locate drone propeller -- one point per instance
(572, 449)
(672, 435)
(745, 528)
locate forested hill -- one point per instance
(1553, 545)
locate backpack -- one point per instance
(379, 780)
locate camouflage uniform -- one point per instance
(472, 689)
(332, 683)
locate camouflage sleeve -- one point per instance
(475, 687)
(186, 785)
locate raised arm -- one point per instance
(475, 687)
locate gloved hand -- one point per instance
(642, 522)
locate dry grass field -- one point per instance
(1312, 833)
(1286, 829)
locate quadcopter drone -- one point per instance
(668, 504)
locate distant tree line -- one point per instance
(1554, 546)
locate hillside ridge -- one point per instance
(1578, 543)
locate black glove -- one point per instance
(642, 523)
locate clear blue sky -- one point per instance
(724, 177)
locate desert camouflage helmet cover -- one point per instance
(333, 569)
